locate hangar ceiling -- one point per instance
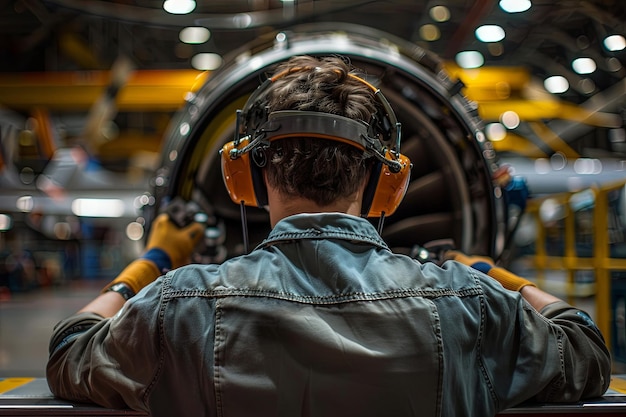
(60, 36)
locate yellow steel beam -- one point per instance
(537, 110)
(490, 83)
(520, 145)
(499, 89)
(495, 89)
(146, 90)
(553, 140)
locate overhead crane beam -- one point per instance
(146, 90)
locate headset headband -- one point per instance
(297, 123)
(381, 134)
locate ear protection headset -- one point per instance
(243, 159)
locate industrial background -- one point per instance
(99, 104)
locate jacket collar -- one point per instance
(324, 226)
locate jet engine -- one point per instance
(452, 196)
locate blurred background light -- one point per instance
(542, 166)
(5, 222)
(515, 6)
(206, 61)
(194, 35)
(25, 203)
(584, 65)
(556, 84)
(495, 131)
(98, 207)
(510, 119)
(615, 42)
(587, 166)
(134, 231)
(558, 161)
(440, 13)
(469, 59)
(429, 32)
(551, 210)
(179, 6)
(489, 33)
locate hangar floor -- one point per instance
(26, 322)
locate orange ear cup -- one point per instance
(391, 188)
(238, 175)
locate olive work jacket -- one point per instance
(322, 319)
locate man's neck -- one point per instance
(281, 206)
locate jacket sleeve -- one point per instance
(110, 362)
(556, 355)
(586, 360)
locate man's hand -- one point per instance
(168, 247)
(177, 243)
(509, 280)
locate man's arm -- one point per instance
(168, 247)
(87, 360)
(106, 304)
(537, 298)
(585, 362)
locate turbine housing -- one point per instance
(451, 196)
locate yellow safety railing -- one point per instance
(600, 262)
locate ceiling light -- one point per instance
(470, 59)
(615, 42)
(489, 33)
(613, 64)
(510, 119)
(194, 34)
(206, 61)
(587, 166)
(556, 84)
(242, 20)
(25, 203)
(587, 86)
(495, 49)
(515, 6)
(440, 13)
(429, 32)
(584, 65)
(6, 223)
(179, 6)
(495, 131)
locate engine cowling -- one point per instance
(452, 195)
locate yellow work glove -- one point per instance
(168, 247)
(509, 280)
(177, 243)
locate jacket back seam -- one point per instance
(163, 300)
(327, 299)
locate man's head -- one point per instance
(319, 170)
(317, 133)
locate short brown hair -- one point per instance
(317, 169)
